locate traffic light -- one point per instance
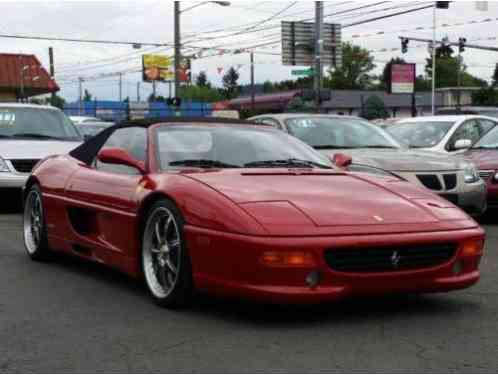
(461, 44)
(404, 45)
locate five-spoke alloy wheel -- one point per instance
(34, 228)
(165, 263)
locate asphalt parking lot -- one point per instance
(72, 316)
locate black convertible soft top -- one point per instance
(87, 151)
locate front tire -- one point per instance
(34, 226)
(165, 262)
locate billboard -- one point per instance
(402, 78)
(157, 68)
(185, 74)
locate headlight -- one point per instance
(3, 166)
(470, 174)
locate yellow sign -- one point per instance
(157, 68)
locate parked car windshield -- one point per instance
(420, 134)
(233, 146)
(88, 130)
(488, 141)
(339, 133)
(36, 123)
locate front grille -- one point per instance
(430, 181)
(453, 198)
(485, 175)
(450, 181)
(24, 165)
(385, 259)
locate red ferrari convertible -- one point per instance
(233, 209)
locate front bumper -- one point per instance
(12, 180)
(228, 265)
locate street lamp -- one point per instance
(177, 12)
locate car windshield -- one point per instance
(90, 130)
(488, 141)
(420, 134)
(339, 133)
(233, 146)
(36, 123)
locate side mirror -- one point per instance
(341, 160)
(462, 144)
(121, 157)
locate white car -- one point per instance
(442, 133)
(29, 133)
(82, 119)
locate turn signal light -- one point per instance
(287, 259)
(472, 247)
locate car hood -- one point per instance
(34, 149)
(398, 160)
(286, 198)
(483, 159)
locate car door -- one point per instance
(469, 129)
(104, 194)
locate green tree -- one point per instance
(354, 73)
(447, 69)
(374, 108)
(87, 97)
(230, 84)
(495, 76)
(486, 96)
(202, 80)
(200, 93)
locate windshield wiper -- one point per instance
(203, 163)
(5, 136)
(299, 163)
(332, 147)
(378, 146)
(35, 135)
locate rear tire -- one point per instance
(35, 226)
(165, 261)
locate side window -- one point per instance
(272, 122)
(133, 140)
(468, 130)
(485, 126)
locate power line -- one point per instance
(92, 41)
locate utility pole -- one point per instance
(120, 87)
(177, 47)
(154, 90)
(318, 52)
(80, 89)
(52, 72)
(138, 91)
(433, 102)
(21, 78)
(459, 80)
(253, 94)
